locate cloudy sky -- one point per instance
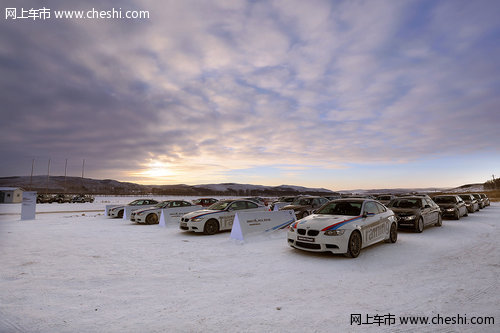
(334, 94)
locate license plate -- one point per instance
(305, 239)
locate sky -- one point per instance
(332, 94)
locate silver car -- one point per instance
(152, 215)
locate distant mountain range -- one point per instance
(61, 184)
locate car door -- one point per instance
(427, 212)
(373, 224)
(434, 210)
(461, 206)
(228, 218)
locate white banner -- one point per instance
(28, 206)
(108, 207)
(173, 215)
(254, 223)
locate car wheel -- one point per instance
(211, 227)
(419, 226)
(354, 245)
(393, 233)
(304, 214)
(439, 221)
(152, 219)
(120, 214)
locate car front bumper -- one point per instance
(192, 226)
(319, 243)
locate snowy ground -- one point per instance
(83, 272)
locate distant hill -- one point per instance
(60, 184)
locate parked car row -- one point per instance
(348, 225)
(344, 225)
(64, 198)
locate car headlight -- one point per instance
(196, 219)
(450, 209)
(291, 229)
(337, 232)
(140, 213)
(407, 218)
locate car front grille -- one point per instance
(308, 232)
(308, 245)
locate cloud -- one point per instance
(206, 88)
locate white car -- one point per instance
(119, 210)
(344, 226)
(152, 215)
(219, 216)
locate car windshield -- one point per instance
(351, 208)
(444, 200)
(162, 204)
(465, 197)
(302, 201)
(135, 202)
(406, 203)
(221, 205)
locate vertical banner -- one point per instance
(28, 206)
(255, 223)
(173, 215)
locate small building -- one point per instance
(11, 195)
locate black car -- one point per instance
(63, 198)
(81, 198)
(304, 206)
(486, 200)
(384, 199)
(282, 201)
(45, 198)
(416, 212)
(205, 202)
(451, 205)
(470, 202)
(479, 199)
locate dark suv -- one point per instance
(303, 206)
(451, 205)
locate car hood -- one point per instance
(322, 221)
(201, 212)
(405, 211)
(294, 207)
(142, 210)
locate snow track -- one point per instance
(88, 273)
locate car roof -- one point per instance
(353, 199)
